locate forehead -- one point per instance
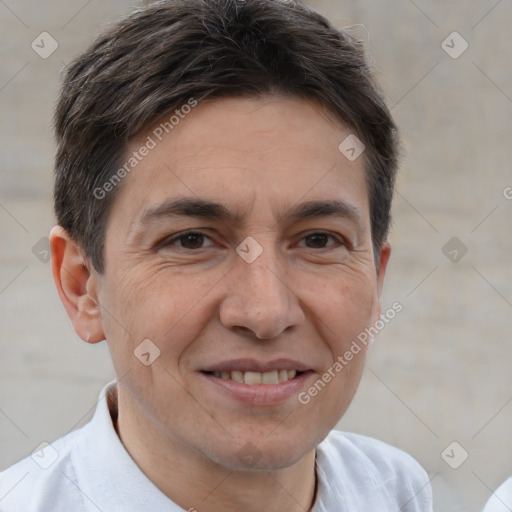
(275, 151)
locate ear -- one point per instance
(385, 253)
(77, 285)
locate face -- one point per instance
(240, 245)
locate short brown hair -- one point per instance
(151, 62)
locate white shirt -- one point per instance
(89, 470)
(501, 499)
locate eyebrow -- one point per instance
(204, 209)
(187, 207)
(324, 208)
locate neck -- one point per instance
(197, 483)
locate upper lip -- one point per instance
(253, 365)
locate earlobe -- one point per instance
(76, 284)
(385, 253)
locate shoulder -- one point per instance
(34, 483)
(381, 473)
(501, 499)
(384, 457)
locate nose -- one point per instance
(259, 301)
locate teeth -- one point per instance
(269, 378)
(283, 375)
(252, 378)
(237, 376)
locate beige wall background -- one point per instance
(439, 373)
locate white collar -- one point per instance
(352, 470)
(104, 467)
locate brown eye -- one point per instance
(321, 240)
(191, 240)
(317, 241)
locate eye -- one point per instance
(190, 240)
(320, 240)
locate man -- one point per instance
(224, 177)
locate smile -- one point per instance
(254, 378)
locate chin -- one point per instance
(262, 454)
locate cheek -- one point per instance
(344, 306)
(158, 303)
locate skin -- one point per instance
(305, 298)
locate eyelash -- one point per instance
(171, 241)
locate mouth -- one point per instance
(254, 378)
(256, 383)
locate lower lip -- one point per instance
(260, 394)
